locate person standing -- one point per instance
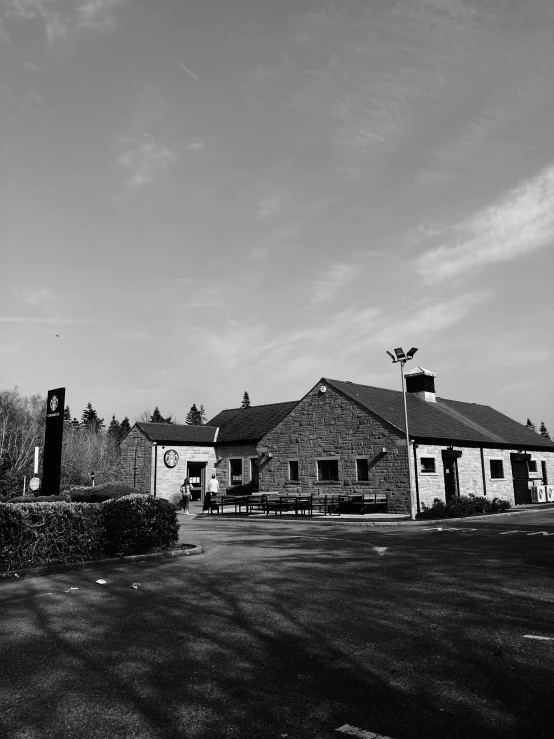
(213, 490)
(186, 492)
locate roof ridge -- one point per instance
(252, 407)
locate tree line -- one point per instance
(87, 446)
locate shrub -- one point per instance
(36, 533)
(463, 506)
(136, 524)
(176, 500)
(100, 493)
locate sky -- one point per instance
(205, 197)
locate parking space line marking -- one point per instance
(538, 533)
(354, 731)
(542, 638)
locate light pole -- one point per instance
(402, 359)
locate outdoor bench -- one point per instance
(300, 504)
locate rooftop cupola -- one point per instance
(420, 381)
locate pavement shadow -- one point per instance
(284, 638)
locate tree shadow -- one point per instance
(283, 637)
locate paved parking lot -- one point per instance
(292, 629)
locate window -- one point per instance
(235, 471)
(327, 469)
(293, 470)
(497, 469)
(362, 470)
(532, 465)
(544, 473)
(428, 465)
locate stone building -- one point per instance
(157, 457)
(240, 431)
(345, 437)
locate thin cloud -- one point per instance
(521, 222)
(425, 320)
(61, 18)
(58, 320)
(4, 36)
(195, 146)
(145, 159)
(133, 335)
(37, 297)
(336, 276)
(268, 207)
(32, 67)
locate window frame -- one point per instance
(497, 460)
(357, 461)
(326, 459)
(428, 472)
(289, 476)
(236, 459)
(529, 469)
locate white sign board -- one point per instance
(34, 484)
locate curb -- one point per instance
(52, 569)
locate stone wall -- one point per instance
(470, 473)
(224, 453)
(136, 460)
(330, 425)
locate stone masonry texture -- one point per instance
(329, 425)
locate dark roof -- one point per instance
(173, 433)
(446, 420)
(250, 424)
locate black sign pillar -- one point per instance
(53, 435)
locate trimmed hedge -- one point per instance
(36, 533)
(139, 523)
(463, 506)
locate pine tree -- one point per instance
(124, 426)
(157, 417)
(202, 415)
(67, 414)
(531, 426)
(245, 400)
(90, 420)
(169, 419)
(543, 431)
(114, 429)
(194, 417)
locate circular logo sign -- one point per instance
(53, 403)
(34, 483)
(171, 458)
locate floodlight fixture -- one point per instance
(400, 353)
(411, 353)
(391, 355)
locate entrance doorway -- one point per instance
(520, 476)
(450, 466)
(196, 473)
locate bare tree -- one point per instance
(22, 422)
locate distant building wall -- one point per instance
(136, 460)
